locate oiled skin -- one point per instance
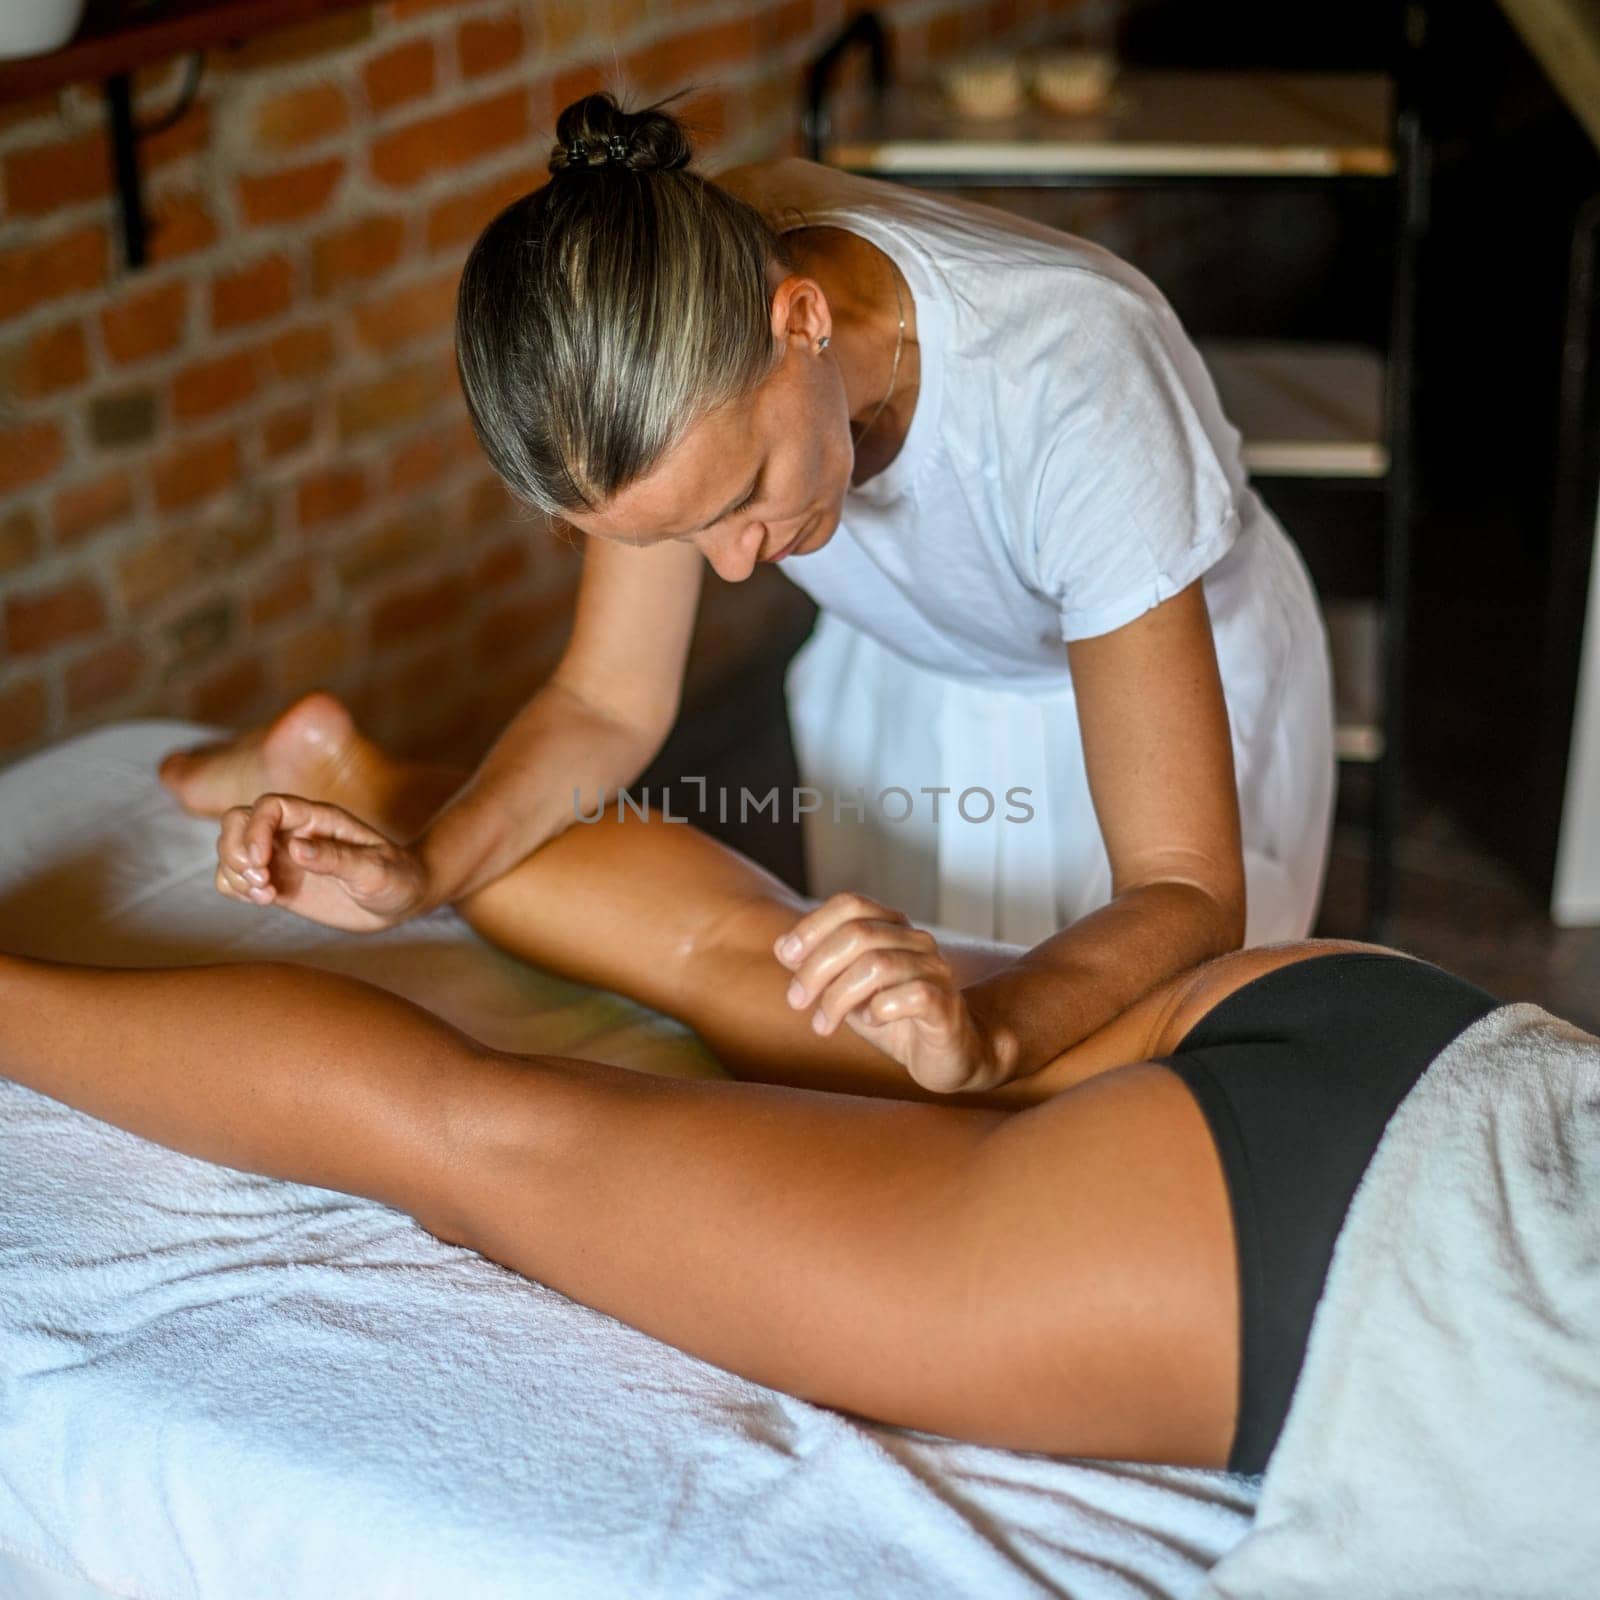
(1053, 1269)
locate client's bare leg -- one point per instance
(654, 910)
(315, 750)
(651, 909)
(1062, 1278)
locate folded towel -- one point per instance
(1444, 1438)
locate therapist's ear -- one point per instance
(800, 312)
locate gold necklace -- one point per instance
(894, 371)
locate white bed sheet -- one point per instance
(222, 1387)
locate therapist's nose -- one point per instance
(733, 555)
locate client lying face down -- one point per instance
(1117, 1254)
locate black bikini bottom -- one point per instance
(1298, 1074)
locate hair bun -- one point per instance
(595, 132)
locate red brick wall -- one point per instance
(246, 469)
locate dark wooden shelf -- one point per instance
(1158, 125)
(119, 35)
(1305, 410)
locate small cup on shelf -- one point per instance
(984, 86)
(1073, 83)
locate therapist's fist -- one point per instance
(317, 861)
(860, 964)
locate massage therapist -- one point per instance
(990, 453)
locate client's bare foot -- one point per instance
(313, 750)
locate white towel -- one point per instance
(222, 1387)
(1444, 1438)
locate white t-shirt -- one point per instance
(1068, 465)
(1067, 468)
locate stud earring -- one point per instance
(823, 343)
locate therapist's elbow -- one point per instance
(1233, 925)
(1210, 906)
(1223, 911)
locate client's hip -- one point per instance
(1298, 1074)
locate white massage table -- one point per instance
(215, 1386)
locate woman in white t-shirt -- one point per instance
(1069, 688)
(1066, 470)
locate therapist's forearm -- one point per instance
(1079, 979)
(522, 793)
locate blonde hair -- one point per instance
(601, 315)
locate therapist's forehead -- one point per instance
(697, 477)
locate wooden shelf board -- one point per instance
(1291, 458)
(1158, 124)
(115, 38)
(1305, 410)
(1565, 37)
(1355, 644)
(1358, 741)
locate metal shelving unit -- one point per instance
(1335, 412)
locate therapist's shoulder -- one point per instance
(754, 180)
(1107, 332)
(787, 183)
(766, 184)
(1103, 291)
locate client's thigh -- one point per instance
(1059, 1279)
(1116, 1306)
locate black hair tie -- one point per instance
(614, 145)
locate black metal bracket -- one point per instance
(125, 134)
(1412, 206)
(863, 28)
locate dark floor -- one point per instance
(1457, 905)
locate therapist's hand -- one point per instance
(859, 964)
(318, 861)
